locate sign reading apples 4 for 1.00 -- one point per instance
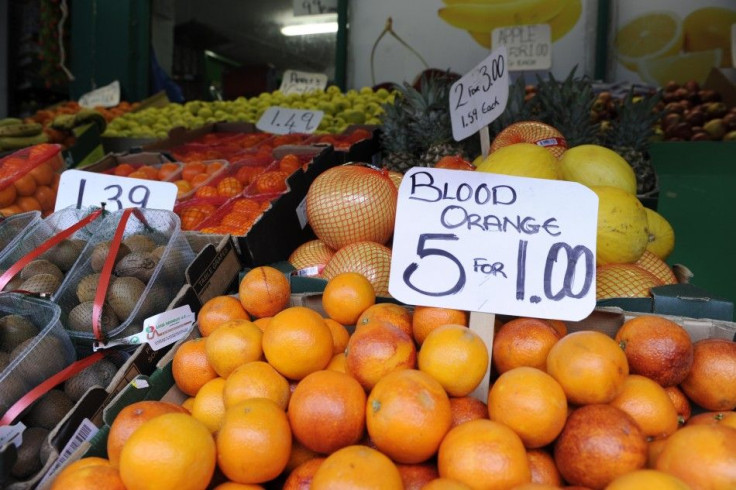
(493, 243)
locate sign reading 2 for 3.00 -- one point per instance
(493, 243)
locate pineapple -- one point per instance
(518, 108)
(399, 151)
(566, 105)
(629, 135)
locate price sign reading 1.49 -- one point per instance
(494, 243)
(480, 96)
(282, 120)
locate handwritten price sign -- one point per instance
(314, 7)
(480, 96)
(83, 189)
(301, 82)
(529, 47)
(282, 120)
(494, 243)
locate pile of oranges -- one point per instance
(285, 396)
(30, 190)
(164, 172)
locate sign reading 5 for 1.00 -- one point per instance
(493, 243)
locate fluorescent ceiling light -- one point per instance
(307, 29)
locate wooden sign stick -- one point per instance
(481, 323)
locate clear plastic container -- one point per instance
(13, 228)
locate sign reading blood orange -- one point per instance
(495, 243)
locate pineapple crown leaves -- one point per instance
(634, 126)
(518, 108)
(566, 105)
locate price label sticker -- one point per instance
(529, 47)
(480, 96)
(314, 7)
(301, 82)
(282, 120)
(82, 189)
(496, 244)
(12, 434)
(107, 96)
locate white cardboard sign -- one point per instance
(480, 96)
(300, 82)
(82, 189)
(493, 243)
(283, 120)
(529, 47)
(107, 96)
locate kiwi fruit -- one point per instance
(87, 286)
(28, 461)
(80, 318)
(139, 243)
(123, 295)
(102, 250)
(48, 410)
(14, 330)
(158, 252)
(64, 254)
(100, 374)
(11, 389)
(41, 283)
(137, 264)
(46, 359)
(14, 283)
(41, 266)
(4, 360)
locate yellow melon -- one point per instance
(597, 165)
(522, 160)
(661, 235)
(622, 234)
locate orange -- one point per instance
(590, 366)
(454, 162)
(43, 174)
(397, 315)
(7, 196)
(138, 174)
(150, 172)
(254, 442)
(190, 170)
(10, 211)
(25, 186)
(649, 406)
(466, 408)
(123, 170)
(183, 187)
(212, 167)
(199, 179)
(271, 182)
(408, 413)
(229, 187)
(598, 444)
(28, 203)
(289, 163)
(530, 402)
(711, 382)
(654, 449)
(264, 291)
(206, 191)
(455, 356)
(657, 348)
(233, 344)
(166, 170)
(357, 467)
(445, 484)
(346, 296)
(218, 310)
(727, 419)
(703, 456)
(484, 451)
(681, 403)
(46, 197)
(229, 485)
(543, 468)
(299, 454)
(187, 404)
(340, 336)
(301, 477)
(427, 318)
(171, 451)
(262, 322)
(129, 419)
(415, 476)
(209, 406)
(327, 411)
(256, 380)
(377, 349)
(654, 479)
(88, 474)
(339, 362)
(297, 342)
(190, 367)
(523, 342)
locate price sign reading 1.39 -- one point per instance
(494, 243)
(480, 96)
(282, 120)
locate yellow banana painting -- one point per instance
(480, 17)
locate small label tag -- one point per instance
(301, 213)
(135, 339)
(107, 96)
(140, 384)
(314, 7)
(12, 434)
(282, 120)
(85, 432)
(300, 82)
(168, 327)
(308, 271)
(529, 47)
